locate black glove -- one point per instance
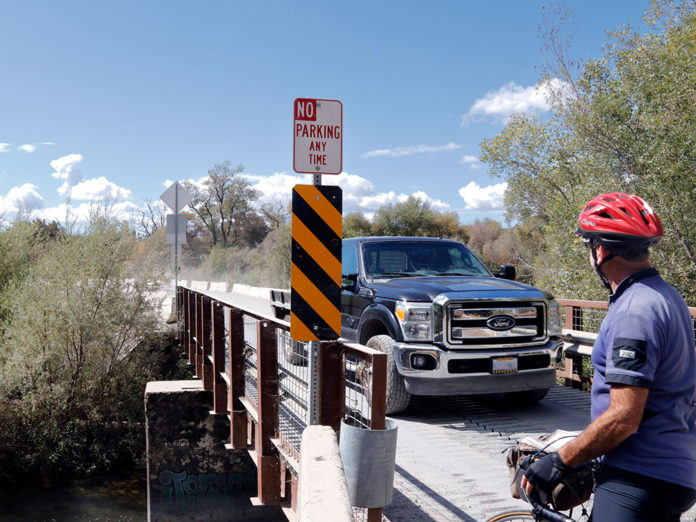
(547, 472)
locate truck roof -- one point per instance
(395, 238)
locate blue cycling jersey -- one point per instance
(647, 340)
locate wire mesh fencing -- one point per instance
(358, 377)
(586, 318)
(251, 386)
(293, 390)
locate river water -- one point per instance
(122, 499)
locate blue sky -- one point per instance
(122, 98)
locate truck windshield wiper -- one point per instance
(454, 274)
(394, 274)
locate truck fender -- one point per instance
(377, 313)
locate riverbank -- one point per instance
(122, 498)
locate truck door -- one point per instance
(349, 323)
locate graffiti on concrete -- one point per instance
(181, 486)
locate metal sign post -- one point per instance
(317, 230)
(176, 198)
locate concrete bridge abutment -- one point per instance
(191, 475)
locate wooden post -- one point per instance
(218, 341)
(268, 463)
(238, 415)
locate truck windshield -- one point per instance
(418, 258)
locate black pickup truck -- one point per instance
(447, 324)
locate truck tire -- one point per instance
(526, 398)
(398, 397)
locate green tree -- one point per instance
(224, 206)
(355, 224)
(408, 218)
(625, 122)
(67, 353)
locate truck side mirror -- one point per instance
(507, 272)
(349, 282)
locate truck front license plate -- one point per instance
(504, 365)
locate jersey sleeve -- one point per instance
(632, 350)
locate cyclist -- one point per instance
(644, 388)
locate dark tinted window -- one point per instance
(350, 260)
(414, 258)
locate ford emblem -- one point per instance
(500, 322)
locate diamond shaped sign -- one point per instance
(176, 197)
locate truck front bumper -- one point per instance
(470, 372)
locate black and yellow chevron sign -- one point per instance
(315, 279)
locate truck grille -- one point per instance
(486, 324)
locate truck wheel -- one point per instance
(526, 398)
(398, 397)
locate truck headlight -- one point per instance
(416, 320)
(553, 320)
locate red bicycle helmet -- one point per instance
(620, 220)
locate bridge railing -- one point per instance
(261, 379)
(582, 320)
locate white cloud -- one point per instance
(77, 187)
(483, 198)
(435, 204)
(352, 184)
(358, 193)
(468, 159)
(100, 188)
(5, 147)
(24, 197)
(67, 168)
(512, 98)
(197, 182)
(277, 187)
(27, 147)
(472, 161)
(413, 149)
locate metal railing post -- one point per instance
(218, 349)
(206, 343)
(569, 310)
(268, 463)
(378, 411)
(238, 414)
(332, 385)
(379, 392)
(183, 320)
(197, 338)
(191, 326)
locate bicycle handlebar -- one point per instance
(542, 511)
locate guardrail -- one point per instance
(261, 380)
(582, 320)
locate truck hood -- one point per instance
(427, 288)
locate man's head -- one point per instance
(623, 224)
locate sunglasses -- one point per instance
(585, 240)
